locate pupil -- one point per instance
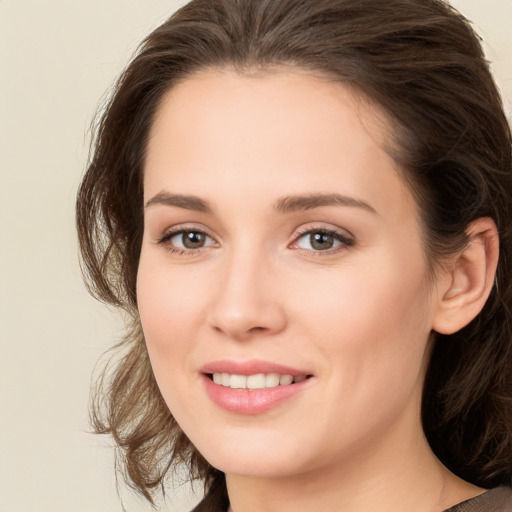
(321, 241)
(193, 239)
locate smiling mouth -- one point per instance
(256, 381)
(252, 387)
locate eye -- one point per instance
(184, 240)
(322, 240)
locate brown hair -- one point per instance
(422, 63)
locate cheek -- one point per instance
(371, 328)
(169, 299)
(169, 312)
(165, 318)
(372, 319)
(382, 293)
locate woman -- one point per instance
(305, 210)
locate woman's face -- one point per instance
(280, 242)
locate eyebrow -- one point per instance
(310, 201)
(181, 201)
(282, 205)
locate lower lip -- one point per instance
(251, 401)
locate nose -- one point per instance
(247, 299)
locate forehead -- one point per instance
(213, 95)
(219, 127)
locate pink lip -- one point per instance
(253, 401)
(250, 368)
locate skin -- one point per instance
(357, 316)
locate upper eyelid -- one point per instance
(180, 228)
(326, 228)
(342, 238)
(295, 235)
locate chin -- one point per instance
(258, 466)
(255, 456)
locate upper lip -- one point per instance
(251, 367)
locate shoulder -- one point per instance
(494, 500)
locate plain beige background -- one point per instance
(57, 59)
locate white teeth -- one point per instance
(272, 380)
(256, 381)
(238, 381)
(285, 380)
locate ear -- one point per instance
(468, 281)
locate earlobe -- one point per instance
(470, 278)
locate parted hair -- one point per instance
(423, 64)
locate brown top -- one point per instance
(495, 500)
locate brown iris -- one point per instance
(321, 241)
(193, 239)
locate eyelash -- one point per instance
(345, 241)
(165, 240)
